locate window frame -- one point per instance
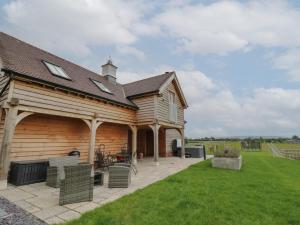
(58, 74)
(100, 88)
(173, 108)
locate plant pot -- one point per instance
(227, 163)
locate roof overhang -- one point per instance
(177, 86)
(14, 74)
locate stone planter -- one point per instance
(227, 163)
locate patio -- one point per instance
(42, 201)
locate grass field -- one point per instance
(288, 146)
(265, 192)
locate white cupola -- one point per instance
(109, 71)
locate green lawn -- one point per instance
(266, 191)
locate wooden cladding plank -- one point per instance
(46, 98)
(171, 134)
(113, 136)
(146, 108)
(42, 136)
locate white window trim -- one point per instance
(173, 109)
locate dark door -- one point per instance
(149, 143)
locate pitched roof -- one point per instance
(26, 60)
(148, 85)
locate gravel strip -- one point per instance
(16, 215)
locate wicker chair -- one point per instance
(77, 185)
(119, 176)
(55, 171)
(129, 165)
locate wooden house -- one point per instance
(50, 106)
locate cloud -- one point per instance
(290, 62)
(128, 50)
(73, 26)
(215, 111)
(225, 26)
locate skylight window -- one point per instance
(56, 70)
(101, 86)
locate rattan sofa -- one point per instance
(55, 171)
(77, 184)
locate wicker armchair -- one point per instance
(119, 176)
(55, 171)
(129, 165)
(77, 185)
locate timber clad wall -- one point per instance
(113, 136)
(41, 136)
(171, 134)
(146, 108)
(163, 106)
(46, 98)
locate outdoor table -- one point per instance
(98, 177)
(123, 157)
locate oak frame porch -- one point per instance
(14, 115)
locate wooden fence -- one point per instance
(285, 153)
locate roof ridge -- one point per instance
(47, 52)
(152, 77)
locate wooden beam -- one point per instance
(88, 123)
(22, 116)
(8, 133)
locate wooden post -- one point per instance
(94, 125)
(155, 128)
(134, 143)
(8, 133)
(182, 144)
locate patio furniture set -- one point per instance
(76, 180)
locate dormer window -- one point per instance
(101, 86)
(56, 70)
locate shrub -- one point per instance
(227, 153)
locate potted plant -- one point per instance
(227, 159)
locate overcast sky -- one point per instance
(238, 61)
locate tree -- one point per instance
(295, 137)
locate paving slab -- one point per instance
(87, 207)
(27, 206)
(16, 194)
(50, 212)
(69, 215)
(44, 202)
(54, 220)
